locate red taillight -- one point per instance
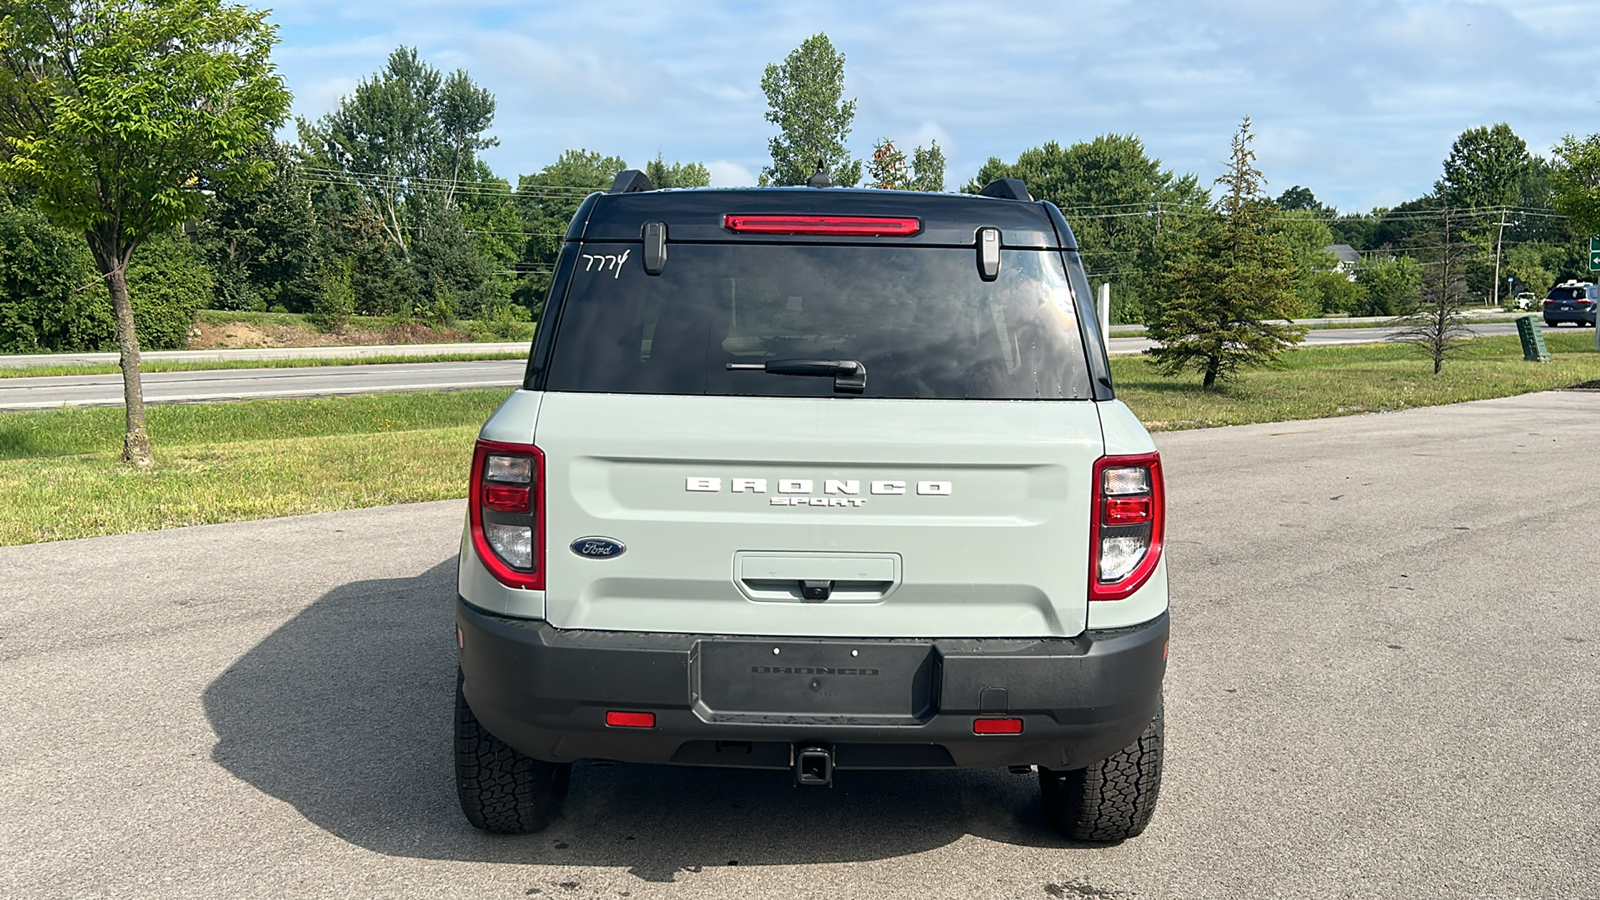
(507, 498)
(1128, 510)
(505, 512)
(838, 226)
(1548, 301)
(618, 719)
(1127, 526)
(996, 726)
(1585, 302)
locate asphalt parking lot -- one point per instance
(1382, 684)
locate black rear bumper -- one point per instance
(879, 704)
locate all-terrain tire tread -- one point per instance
(1111, 800)
(501, 790)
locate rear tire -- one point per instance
(501, 790)
(1111, 800)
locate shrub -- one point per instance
(504, 321)
(1391, 286)
(51, 297)
(168, 283)
(336, 301)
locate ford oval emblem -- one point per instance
(599, 547)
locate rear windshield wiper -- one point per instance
(849, 375)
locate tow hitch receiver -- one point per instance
(813, 765)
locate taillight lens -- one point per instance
(505, 506)
(1127, 526)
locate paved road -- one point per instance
(368, 351)
(1382, 685)
(257, 384)
(245, 384)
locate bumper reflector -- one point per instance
(996, 726)
(630, 719)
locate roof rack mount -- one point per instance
(630, 181)
(1007, 189)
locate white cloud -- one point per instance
(730, 174)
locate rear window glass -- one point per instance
(919, 318)
(1562, 293)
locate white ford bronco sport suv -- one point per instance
(815, 479)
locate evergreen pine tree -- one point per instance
(1216, 315)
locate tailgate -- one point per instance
(818, 516)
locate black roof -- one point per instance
(695, 214)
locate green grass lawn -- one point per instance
(232, 461)
(227, 462)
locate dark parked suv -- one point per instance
(1572, 301)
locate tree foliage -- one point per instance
(169, 282)
(547, 201)
(1575, 179)
(260, 240)
(887, 169)
(117, 112)
(927, 168)
(677, 175)
(1485, 168)
(403, 140)
(805, 99)
(1235, 278)
(1300, 198)
(1130, 216)
(1305, 233)
(1389, 285)
(51, 298)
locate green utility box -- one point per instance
(1533, 349)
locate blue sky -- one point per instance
(1358, 100)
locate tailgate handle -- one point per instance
(813, 577)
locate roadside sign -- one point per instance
(1532, 337)
(1594, 254)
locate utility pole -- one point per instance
(1498, 239)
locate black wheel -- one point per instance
(1111, 800)
(501, 790)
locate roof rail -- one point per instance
(1007, 189)
(629, 181)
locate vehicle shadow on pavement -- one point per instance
(344, 712)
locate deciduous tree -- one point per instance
(1576, 180)
(1128, 213)
(404, 139)
(118, 112)
(1485, 168)
(1434, 322)
(678, 174)
(927, 168)
(805, 96)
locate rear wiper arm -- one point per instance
(849, 375)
